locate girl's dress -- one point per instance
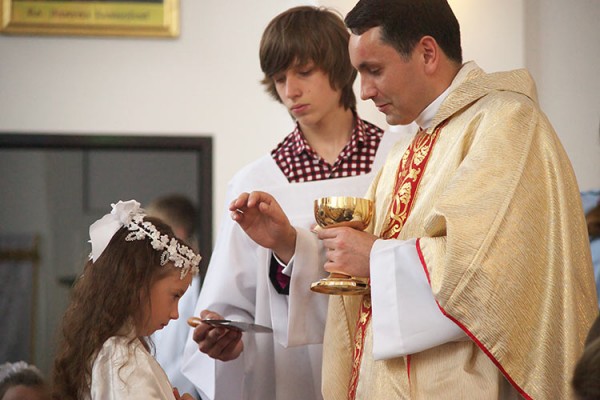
(126, 370)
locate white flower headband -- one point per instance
(7, 370)
(129, 214)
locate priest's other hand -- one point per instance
(265, 222)
(217, 342)
(348, 250)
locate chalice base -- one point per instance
(346, 286)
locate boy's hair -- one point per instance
(404, 22)
(109, 294)
(308, 34)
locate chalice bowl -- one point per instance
(335, 211)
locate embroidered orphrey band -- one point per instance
(408, 176)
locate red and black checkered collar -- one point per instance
(299, 144)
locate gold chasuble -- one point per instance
(494, 204)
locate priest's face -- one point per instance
(394, 83)
(164, 299)
(307, 93)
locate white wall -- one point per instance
(206, 82)
(563, 54)
(492, 32)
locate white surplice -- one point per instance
(285, 364)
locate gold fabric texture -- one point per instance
(408, 177)
(502, 235)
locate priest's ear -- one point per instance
(429, 52)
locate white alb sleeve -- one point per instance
(406, 318)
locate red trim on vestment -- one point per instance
(364, 316)
(471, 335)
(408, 176)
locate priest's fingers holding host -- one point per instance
(265, 222)
(348, 250)
(249, 201)
(247, 207)
(239, 204)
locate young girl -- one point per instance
(129, 288)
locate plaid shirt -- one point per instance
(299, 162)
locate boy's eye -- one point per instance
(279, 79)
(305, 71)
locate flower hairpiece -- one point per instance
(130, 215)
(8, 369)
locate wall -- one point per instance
(206, 82)
(563, 54)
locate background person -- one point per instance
(586, 378)
(593, 224)
(180, 213)
(21, 381)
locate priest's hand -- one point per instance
(347, 250)
(263, 220)
(217, 342)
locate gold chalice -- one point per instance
(356, 213)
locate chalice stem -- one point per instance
(338, 275)
(352, 212)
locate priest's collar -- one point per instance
(426, 117)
